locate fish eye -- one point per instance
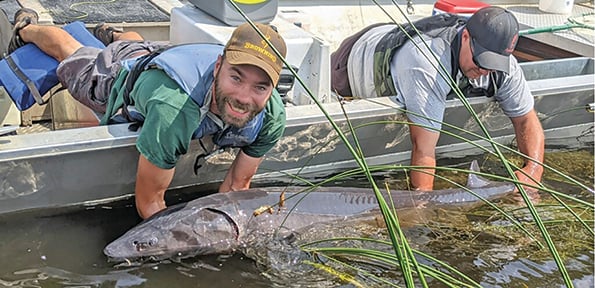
(143, 245)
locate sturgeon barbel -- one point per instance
(224, 222)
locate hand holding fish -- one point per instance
(529, 175)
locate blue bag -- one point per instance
(35, 71)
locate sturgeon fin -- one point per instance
(476, 181)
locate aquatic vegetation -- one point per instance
(503, 230)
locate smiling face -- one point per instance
(241, 92)
(467, 64)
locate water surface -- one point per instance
(63, 247)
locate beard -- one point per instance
(223, 105)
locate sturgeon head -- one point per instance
(180, 230)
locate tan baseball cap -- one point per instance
(247, 47)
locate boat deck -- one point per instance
(330, 22)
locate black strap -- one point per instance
(137, 69)
(30, 85)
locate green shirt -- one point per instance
(171, 117)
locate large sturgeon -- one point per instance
(224, 222)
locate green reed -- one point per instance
(402, 255)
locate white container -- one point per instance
(556, 6)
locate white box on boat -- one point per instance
(309, 54)
(9, 114)
(263, 11)
(556, 6)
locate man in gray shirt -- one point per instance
(478, 49)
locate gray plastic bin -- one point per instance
(262, 11)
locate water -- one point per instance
(63, 248)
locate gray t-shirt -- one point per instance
(423, 90)
(420, 87)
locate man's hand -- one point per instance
(531, 142)
(525, 175)
(240, 173)
(151, 183)
(423, 154)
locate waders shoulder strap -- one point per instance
(139, 67)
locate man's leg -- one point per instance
(58, 43)
(128, 35)
(108, 34)
(52, 40)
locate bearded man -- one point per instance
(178, 93)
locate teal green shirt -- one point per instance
(171, 117)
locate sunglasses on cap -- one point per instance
(471, 44)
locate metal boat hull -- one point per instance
(94, 164)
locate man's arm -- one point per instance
(240, 173)
(530, 140)
(423, 154)
(151, 183)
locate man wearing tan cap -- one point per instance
(178, 93)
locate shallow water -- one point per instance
(63, 248)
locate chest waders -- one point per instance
(191, 66)
(445, 26)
